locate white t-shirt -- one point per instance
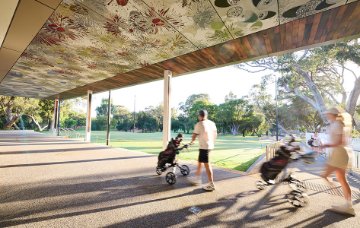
(207, 132)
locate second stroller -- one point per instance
(270, 171)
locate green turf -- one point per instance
(233, 152)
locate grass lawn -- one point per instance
(233, 152)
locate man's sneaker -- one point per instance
(210, 187)
(344, 209)
(194, 180)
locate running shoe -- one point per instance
(195, 180)
(344, 209)
(210, 187)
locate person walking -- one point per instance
(339, 137)
(206, 132)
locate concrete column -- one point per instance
(88, 117)
(167, 108)
(58, 119)
(108, 120)
(54, 124)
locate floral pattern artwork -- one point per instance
(291, 10)
(200, 23)
(243, 17)
(85, 41)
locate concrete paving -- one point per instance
(55, 182)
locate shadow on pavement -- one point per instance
(61, 150)
(72, 162)
(328, 217)
(10, 221)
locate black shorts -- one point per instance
(204, 156)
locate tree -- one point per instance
(46, 111)
(11, 108)
(123, 118)
(263, 102)
(146, 122)
(232, 114)
(316, 79)
(185, 107)
(102, 110)
(187, 118)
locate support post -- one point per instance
(54, 124)
(108, 120)
(167, 108)
(88, 117)
(58, 120)
(277, 111)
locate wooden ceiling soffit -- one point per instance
(315, 30)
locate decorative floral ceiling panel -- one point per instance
(243, 17)
(291, 10)
(89, 40)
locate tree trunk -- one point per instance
(10, 122)
(318, 102)
(37, 123)
(353, 98)
(17, 127)
(234, 129)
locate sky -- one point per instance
(215, 82)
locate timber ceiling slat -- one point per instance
(301, 31)
(295, 33)
(314, 28)
(355, 11)
(283, 36)
(336, 23)
(330, 22)
(322, 25)
(267, 39)
(288, 35)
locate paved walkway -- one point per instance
(54, 182)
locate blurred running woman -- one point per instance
(205, 130)
(339, 134)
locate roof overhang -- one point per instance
(48, 73)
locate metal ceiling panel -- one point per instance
(51, 3)
(8, 59)
(24, 27)
(7, 11)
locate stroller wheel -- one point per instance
(298, 185)
(297, 198)
(158, 170)
(185, 170)
(170, 178)
(260, 185)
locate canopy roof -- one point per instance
(56, 48)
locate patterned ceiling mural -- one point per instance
(89, 40)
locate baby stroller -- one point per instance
(167, 159)
(270, 170)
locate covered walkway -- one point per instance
(56, 182)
